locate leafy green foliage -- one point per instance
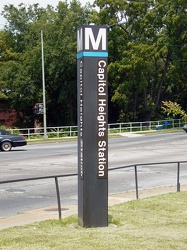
(21, 73)
(147, 62)
(173, 109)
(147, 58)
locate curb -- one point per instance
(51, 212)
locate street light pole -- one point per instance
(43, 81)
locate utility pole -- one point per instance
(45, 137)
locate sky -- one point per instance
(42, 3)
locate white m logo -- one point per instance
(89, 39)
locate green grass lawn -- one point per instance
(158, 222)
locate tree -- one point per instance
(147, 57)
(24, 81)
(147, 61)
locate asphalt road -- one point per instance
(61, 158)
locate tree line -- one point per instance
(147, 43)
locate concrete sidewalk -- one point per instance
(47, 213)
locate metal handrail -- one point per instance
(110, 169)
(42, 178)
(148, 164)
